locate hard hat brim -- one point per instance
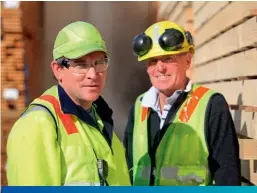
(82, 51)
(160, 52)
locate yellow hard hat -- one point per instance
(162, 38)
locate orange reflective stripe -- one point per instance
(191, 103)
(66, 119)
(144, 113)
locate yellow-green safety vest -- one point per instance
(181, 157)
(69, 160)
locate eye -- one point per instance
(151, 62)
(80, 65)
(100, 61)
(166, 60)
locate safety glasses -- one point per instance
(171, 40)
(82, 67)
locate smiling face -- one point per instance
(168, 73)
(82, 87)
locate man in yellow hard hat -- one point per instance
(65, 136)
(178, 133)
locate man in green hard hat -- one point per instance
(65, 136)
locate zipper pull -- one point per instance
(154, 171)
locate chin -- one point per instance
(91, 97)
(162, 87)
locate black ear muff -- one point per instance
(141, 44)
(189, 38)
(62, 61)
(171, 40)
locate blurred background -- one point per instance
(225, 35)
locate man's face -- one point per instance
(82, 82)
(168, 73)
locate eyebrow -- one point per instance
(81, 60)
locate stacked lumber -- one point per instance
(226, 61)
(176, 11)
(12, 76)
(12, 58)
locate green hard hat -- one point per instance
(78, 39)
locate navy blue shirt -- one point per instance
(101, 107)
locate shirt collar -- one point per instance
(151, 97)
(69, 107)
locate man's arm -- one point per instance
(128, 140)
(223, 144)
(33, 151)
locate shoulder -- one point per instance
(218, 102)
(36, 122)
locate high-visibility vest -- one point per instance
(78, 148)
(181, 157)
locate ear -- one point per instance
(189, 60)
(57, 70)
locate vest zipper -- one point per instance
(101, 132)
(98, 129)
(153, 173)
(172, 113)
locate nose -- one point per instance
(161, 67)
(91, 73)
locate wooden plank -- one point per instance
(15, 51)
(12, 19)
(247, 32)
(223, 20)
(248, 149)
(8, 12)
(165, 7)
(17, 77)
(235, 39)
(19, 66)
(182, 19)
(12, 37)
(245, 123)
(237, 65)
(208, 11)
(253, 172)
(237, 92)
(174, 16)
(189, 20)
(17, 29)
(197, 5)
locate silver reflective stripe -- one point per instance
(190, 177)
(156, 34)
(169, 172)
(145, 172)
(172, 173)
(83, 184)
(35, 108)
